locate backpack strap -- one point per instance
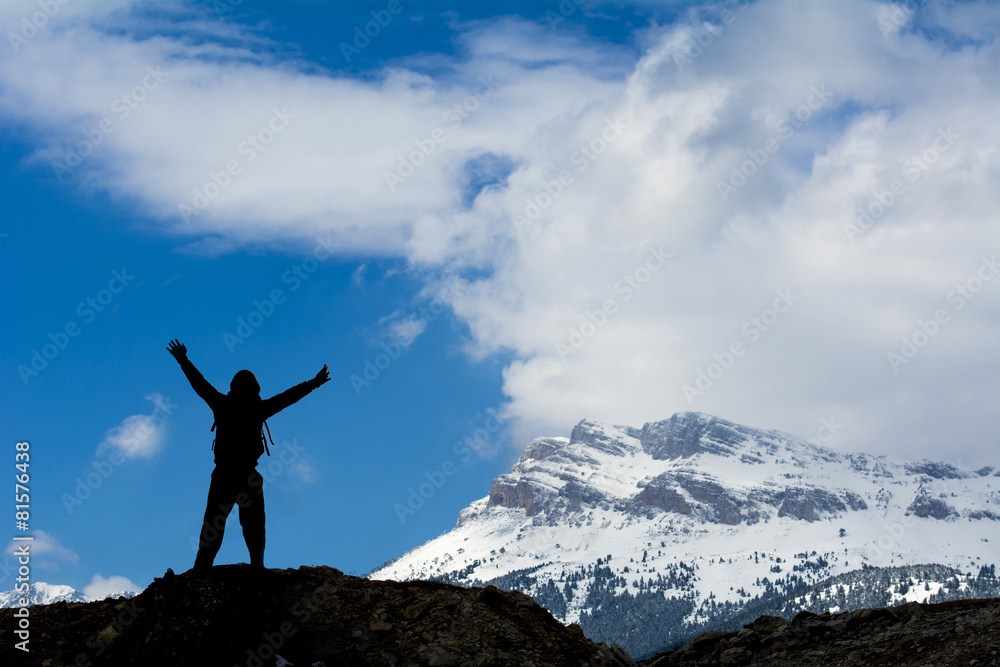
(268, 437)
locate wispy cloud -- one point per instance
(304, 471)
(402, 327)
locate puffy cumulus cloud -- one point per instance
(750, 218)
(751, 165)
(139, 436)
(46, 551)
(101, 587)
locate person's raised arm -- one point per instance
(202, 387)
(277, 403)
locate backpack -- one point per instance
(263, 440)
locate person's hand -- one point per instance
(322, 376)
(179, 351)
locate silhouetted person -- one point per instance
(239, 421)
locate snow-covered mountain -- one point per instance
(41, 593)
(695, 518)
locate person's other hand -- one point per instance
(322, 376)
(180, 351)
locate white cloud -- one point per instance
(685, 129)
(46, 550)
(139, 436)
(304, 471)
(101, 587)
(402, 328)
(358, 276)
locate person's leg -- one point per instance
(252, 518)
(221, 496)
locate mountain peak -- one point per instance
(694, 516)
(688, 433)
(613, 440)
(601, 465)
(683, 435)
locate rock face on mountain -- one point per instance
(312, 615)
(546, 478)
(950, 633)
(683, 437)
(925, 506)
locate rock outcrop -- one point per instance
(950, 633)
(924, 505)
(319, 617)
(238, 616)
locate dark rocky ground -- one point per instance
(949, 634)
(238, 616)
(317, 615)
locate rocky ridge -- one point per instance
(950, 633)
(313, 615)
(319, 617)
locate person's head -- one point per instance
(244, 383)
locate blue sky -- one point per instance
(782, 213)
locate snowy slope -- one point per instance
(707, 511)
